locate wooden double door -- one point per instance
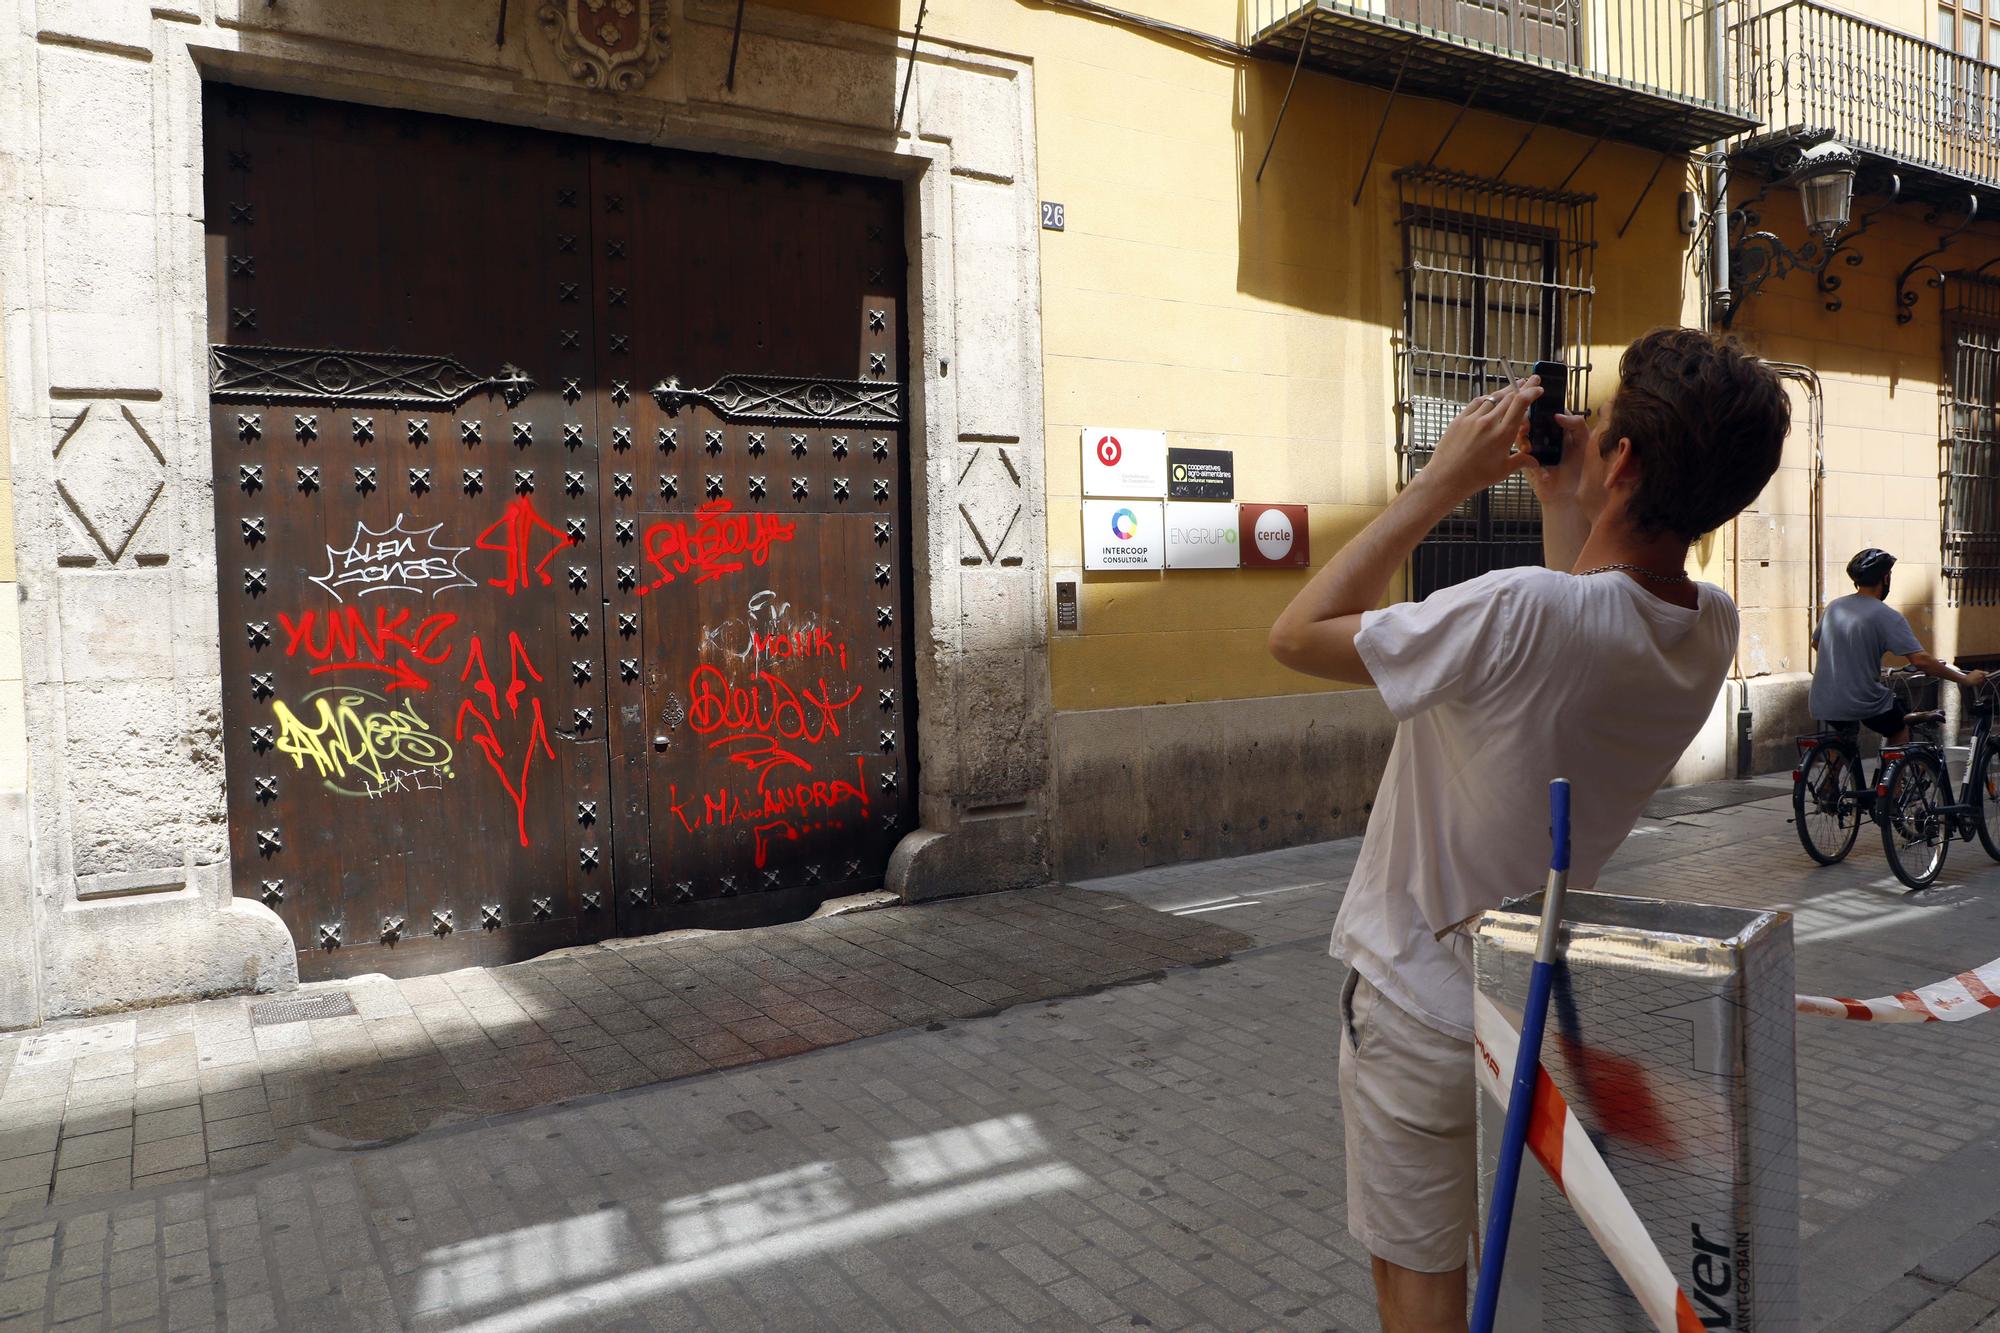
(560, 494)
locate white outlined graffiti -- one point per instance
(393, 559)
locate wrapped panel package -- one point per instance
(1671, 1034)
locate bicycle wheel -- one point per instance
(1915, 831)
(1982, 789)
(1826, 804)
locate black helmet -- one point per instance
(1870, 567)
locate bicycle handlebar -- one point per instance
(1918, 673)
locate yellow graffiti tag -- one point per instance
(358, 731)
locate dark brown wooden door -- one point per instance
(765, 738)
(466, 572)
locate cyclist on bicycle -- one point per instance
(1852, 637)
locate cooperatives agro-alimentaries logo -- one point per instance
(1124, 523)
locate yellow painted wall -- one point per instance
(1186, 296)
(1263, 318)
(1883, 398)
(1260, 318)
(1882, 410)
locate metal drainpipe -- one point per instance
(1745, 722)
(1808, 379)
(1719, 183)
(1719, 297)
(1718, 302)
(1718, 177)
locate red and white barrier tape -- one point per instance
(1565, 1152)
(1966, 995)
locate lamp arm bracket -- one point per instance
(1906, 297)
(1826, 279)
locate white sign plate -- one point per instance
(1201, 535)
(1124, 462)
(1123, 534)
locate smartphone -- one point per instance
(1545, 435)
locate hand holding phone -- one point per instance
(1545, 433)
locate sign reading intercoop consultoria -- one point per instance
(1123, 534)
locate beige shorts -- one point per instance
(1407, 1098)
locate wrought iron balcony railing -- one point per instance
(1640, 71)
(1925, 112)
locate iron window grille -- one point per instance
(1495, 278)
(1970, 446)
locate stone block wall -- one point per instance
(125, 896)
(20, 971)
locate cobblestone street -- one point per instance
(1137, 1129)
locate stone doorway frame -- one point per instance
(126, 894)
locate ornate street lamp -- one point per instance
(1825, 177)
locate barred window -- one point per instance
(1495, 278)
(1970, 558)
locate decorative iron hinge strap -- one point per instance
(784, 399)
(239, 374)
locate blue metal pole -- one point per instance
(1527, 1065)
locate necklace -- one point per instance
(1643, 573)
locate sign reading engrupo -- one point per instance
(1123, 534)
(1117, 461)
(1201, 536)
(1273, 536)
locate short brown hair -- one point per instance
(1707, 423)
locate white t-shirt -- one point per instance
(1499, 686)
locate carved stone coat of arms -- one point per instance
(611, 44)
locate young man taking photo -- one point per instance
(1599, 668)
(1852, 636)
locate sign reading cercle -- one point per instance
(1275, 536)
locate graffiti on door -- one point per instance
(392, 560)
(362, 744)
(511, 757)
(517, 535)
(718, 542)
(548, 655)
(382, 639)
(775, 700)
(359, 742)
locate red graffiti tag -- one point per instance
(346, 642)
(776, 813)
(761, 721)
(805, 643)
(721, 543)
(518, 528)
(490, 743)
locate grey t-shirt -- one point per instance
(1852, 636)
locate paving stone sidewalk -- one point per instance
(1160, 1154)
(88, 1108)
